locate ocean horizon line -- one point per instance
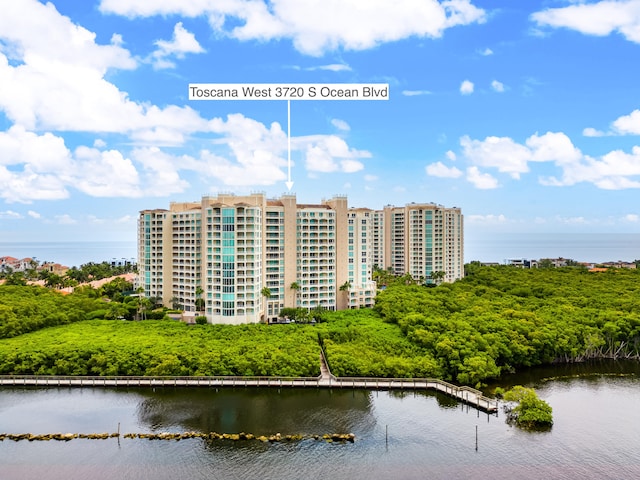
(496, 248)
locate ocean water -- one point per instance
(581, 247)
(71, 253)
(495, 247)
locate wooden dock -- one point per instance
(467, 395)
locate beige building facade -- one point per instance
(424, 238)
(242, 259)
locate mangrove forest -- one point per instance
(495, 320)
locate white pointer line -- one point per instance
(288, 92)
(289, 182)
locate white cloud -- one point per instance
(370, 178)
(340, 124)
(333, 67)
(315, 26)
(592, 132)
(615, 170)
(40, 166)
(512, 158)
(43, 168)
(246, 153)
(466, 87)
(53, 76)
(553, 147)
(451, 155)
(483, 181)
(65, 219)
(572, 220)
(257, 152)
(632, 218)
(624, 125)
(53, 72)
(439, 169)
(83, 100)
(38, 29)
(183, 42)
(126, 219)
(331, 154)
(486, 52)
(486, 219)
(415, 93)
(168, 126)
(161, 171)
(243, 152)
(497, 86)
(599, 18)
(34, 214)
(39, 153)
(116, 39)
(351, 166)
(105, 174)
(10, 214)
(628, 124)
(497, 152)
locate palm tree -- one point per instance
(199, 299)
(295, 286)
(143, 303)
(407, 279)
(438, 276)
(382, 277)
(345, 289)
(266, 293)
(176, 304)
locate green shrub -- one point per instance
(531, 411)
(97, 314)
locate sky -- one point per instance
(525, 114)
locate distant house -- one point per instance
(7, 263)
(15, 264)
(619, 264)
(519, 262)
(557, 262)
(54, 268)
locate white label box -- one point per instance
(288, 91)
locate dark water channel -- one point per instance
(596, 434)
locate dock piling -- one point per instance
(476, 438)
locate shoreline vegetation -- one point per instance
(496, 320)
(529, 411)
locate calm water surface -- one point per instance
(400, 435)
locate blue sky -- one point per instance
(526, 114)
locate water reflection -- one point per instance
(587, 371)
(403, 434)
(257, 411)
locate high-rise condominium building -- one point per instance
(242, 259)
(423, 238)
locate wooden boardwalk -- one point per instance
(467, 395)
